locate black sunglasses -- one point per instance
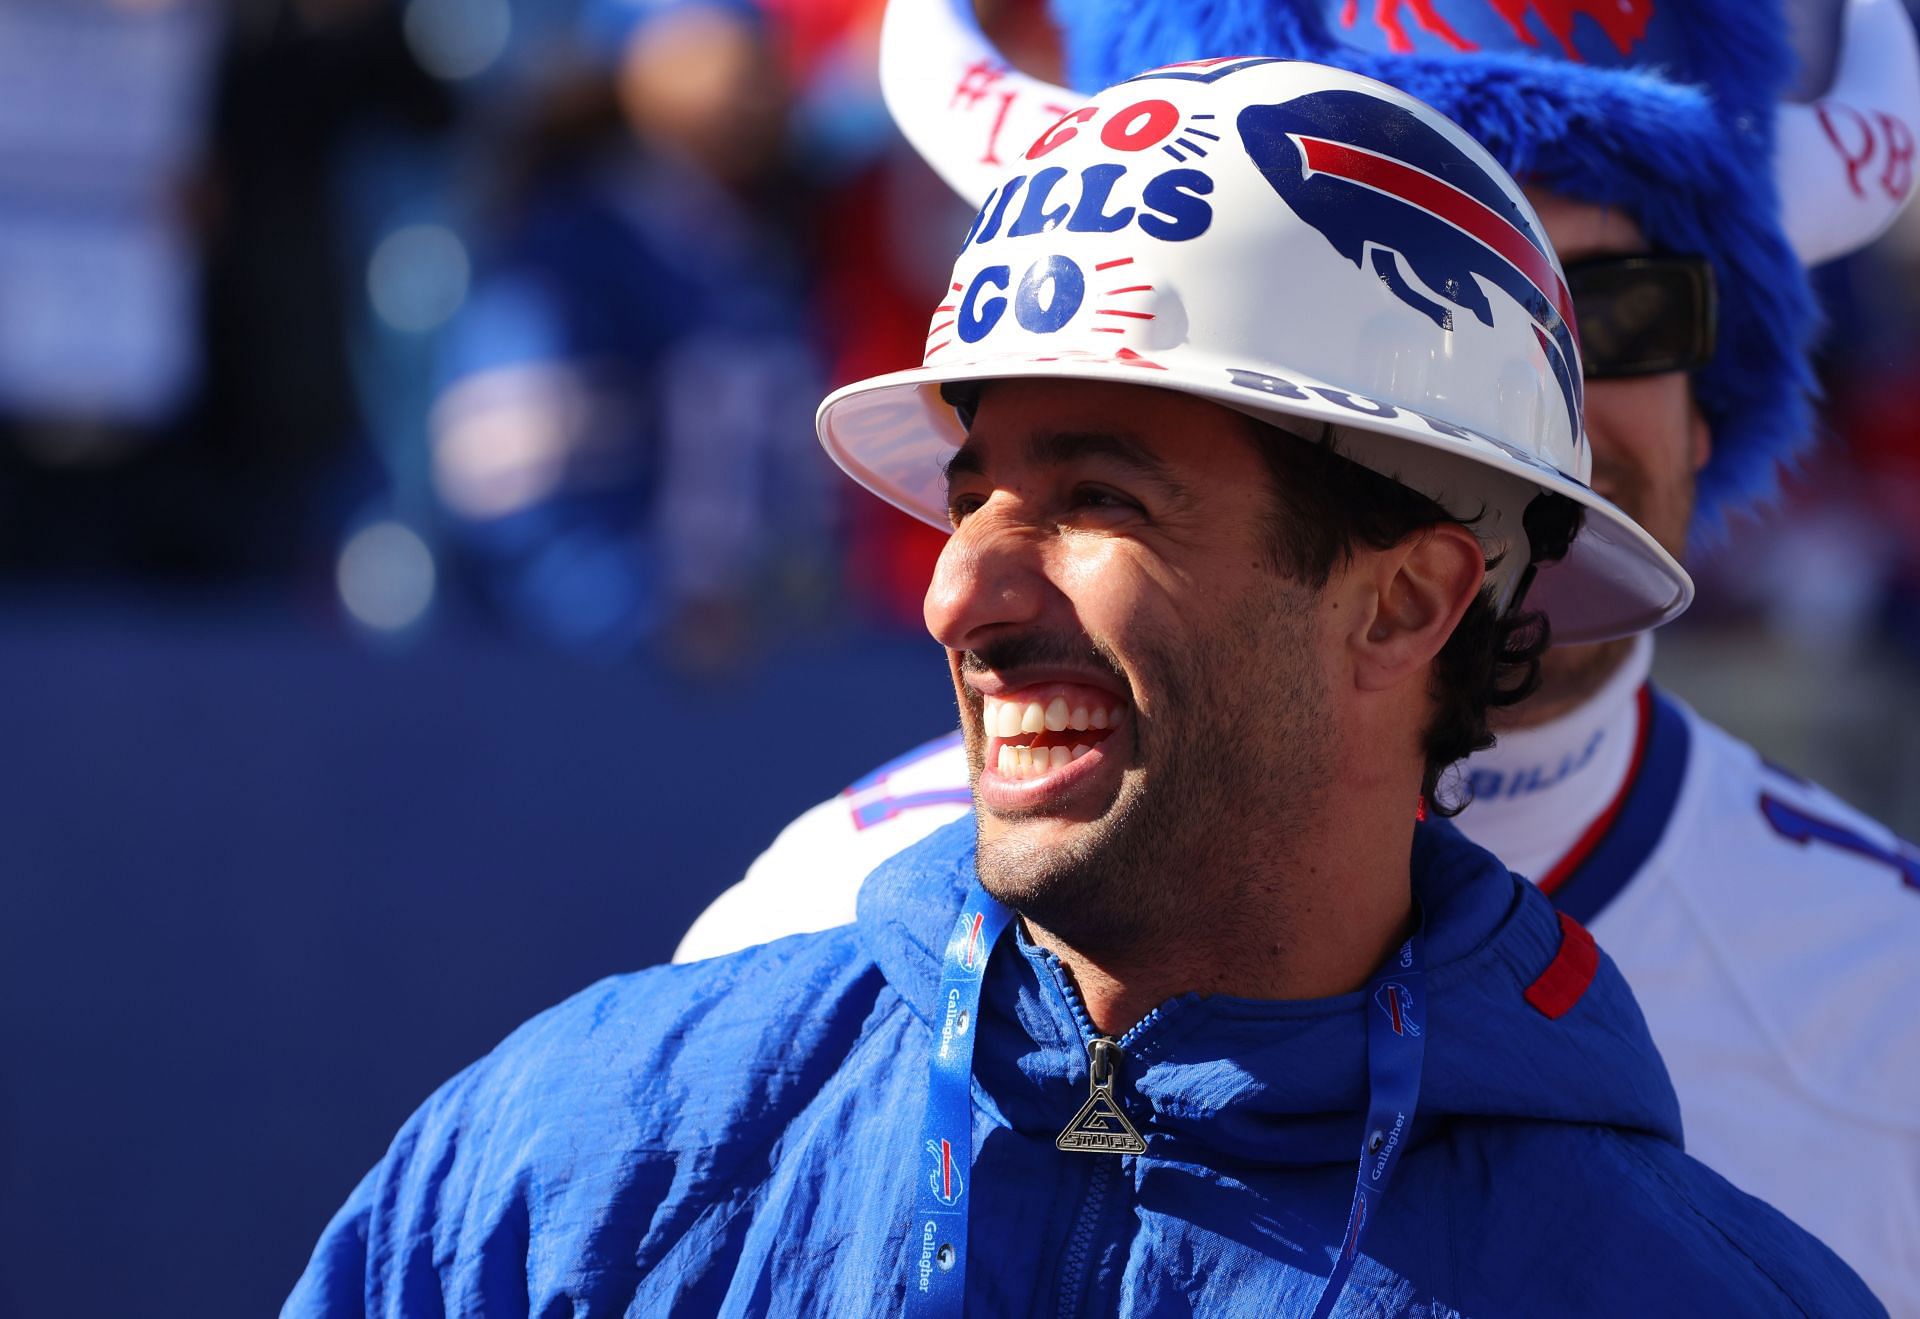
(1642, 315)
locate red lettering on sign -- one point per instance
(1857, 147)
(1061, 133)
(1863, 142)
(1140, 126)
(991, 156)
(1896, 180)
(976, 82)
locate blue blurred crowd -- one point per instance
(513, 312)
(508, 312)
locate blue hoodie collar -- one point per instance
(1284, 1081)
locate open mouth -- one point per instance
(1035, 733)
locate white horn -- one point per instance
(1844, 165)
(960, 104)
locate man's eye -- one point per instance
(958, 506)
(1100, 498)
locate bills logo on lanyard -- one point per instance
(945, 1178)
(1396, 1000)
(971, 955)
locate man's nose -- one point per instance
(990, 577)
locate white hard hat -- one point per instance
(1288, 240)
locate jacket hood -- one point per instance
(1285, 1081)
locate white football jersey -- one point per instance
(808, 878)
(1770, 932)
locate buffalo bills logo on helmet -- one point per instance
(1396, 1000)
(945, 1178)
(1386, 189)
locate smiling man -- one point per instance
(1770, 932)
(1108, 557)
(1201, 1020)
(1188, 643)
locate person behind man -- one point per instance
(1771, 933)
(619, 435)
(1261, 1042)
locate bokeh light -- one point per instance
(418, 277)
(458, 39)
(385, 576)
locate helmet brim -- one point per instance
(894, 434)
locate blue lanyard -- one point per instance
(1396, 1047)
(936, 1248)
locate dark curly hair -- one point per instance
(1325, 505)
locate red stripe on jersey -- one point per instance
(1568, 974)
(1583, 848)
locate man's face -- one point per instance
(1649, 444)
(1136, 682)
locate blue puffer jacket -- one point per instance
(741, 1137)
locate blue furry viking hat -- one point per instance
(1671, 109)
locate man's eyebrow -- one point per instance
(965, 462)
(1057, 448)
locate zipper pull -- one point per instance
(1100, 1127)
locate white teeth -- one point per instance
(1010, 719)
(1006, 719)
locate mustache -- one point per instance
(1041, 649)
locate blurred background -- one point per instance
(421, 592)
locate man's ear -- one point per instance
(1420, 588)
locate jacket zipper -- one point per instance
(1073, 1271)
(1093, 1205)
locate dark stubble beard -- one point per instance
(1229, 768)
